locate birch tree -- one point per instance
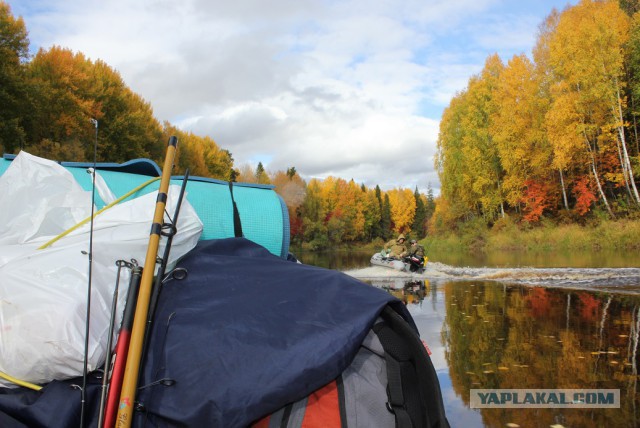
(546, 78)
(450, 160)
(586, 54)
(484, 174)
(518, 130)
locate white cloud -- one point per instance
(351, 88)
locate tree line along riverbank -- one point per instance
(618, 235)
(507, 235)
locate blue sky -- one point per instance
(349, 88)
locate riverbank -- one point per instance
(607, 235)
(619, 235)
(372, 247)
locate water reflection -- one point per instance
(518, 337)
(355, 259)
(494, 335)
(337, 260)
(546, 259)
(409, 292)
(507, 328)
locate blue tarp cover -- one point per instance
(243, 335)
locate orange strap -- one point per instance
(323, 408)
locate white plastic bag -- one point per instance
(43, 293)
(39, 198)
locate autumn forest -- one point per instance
(48, 99)
(552, 135)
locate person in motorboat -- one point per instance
(415, 249)
(415, 256)
(395, 249)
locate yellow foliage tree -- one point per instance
(518, 128)
(201, 155)
(403, 209)
(484, 174)
(586, 53)
(452, 161)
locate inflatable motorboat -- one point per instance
(407, 264)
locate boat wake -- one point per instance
(610, 279)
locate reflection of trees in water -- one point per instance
(498, 336)
(541, 259)
(409, 292)
(632, 350)
(338, 260)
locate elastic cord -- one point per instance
(86, 220)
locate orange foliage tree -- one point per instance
(536, 199)
(584, 194)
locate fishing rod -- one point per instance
(85, 362)
(132, 368)
(169, 230)
(122, 348)
(112, 322)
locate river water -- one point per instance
(513, 321)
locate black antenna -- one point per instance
(86, 331)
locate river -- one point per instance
(522, 321)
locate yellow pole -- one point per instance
(132, 367)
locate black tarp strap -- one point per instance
(237, 225)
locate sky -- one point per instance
(349, 88)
